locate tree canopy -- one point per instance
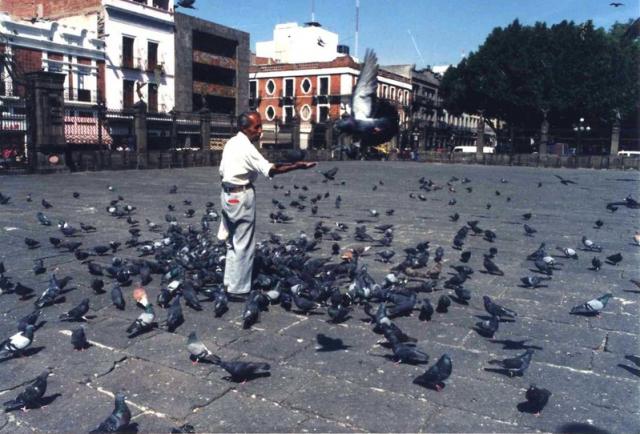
(571, 70)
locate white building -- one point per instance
(298, 44)
(139, 38)
(75, 51)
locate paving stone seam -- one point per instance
(424, 427)
(140, 407)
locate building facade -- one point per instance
(213, 66)
(293, 43)
(138, 41)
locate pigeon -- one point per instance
(197, 350)
(77, 313)
(174, 315)
(526, 216)
(568, 252)
(330, 174)
(614, 259)
(251, 312)
(29, 319)
(454, 217)
(426, 310)
(325, 343)
(564, 181)
(543, 266)
(465, 256)
(407, 353)
(187, 4)
(97, 285)
(515, 365)
(491, 267)
(118, 420)
(463, 294)
(31, 243)
(17, 343)
(592, 307)
(79, 339)
(338, 313)
(220, 303)
(242, 371)
(190, 297)
(5, 199)
(489, 327)
(528, 230)
(536, 398)
(443, 304)
(590, 245)
(30, 397)
(598, 224)
(371, 121)
(435, 376)
(43, 219)
(143, 323)
(533, 281)
(46, 204)
(596, 263)
(497, 310)
(50, 295)
(38, 267)
(116, 297)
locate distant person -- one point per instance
(239, 168)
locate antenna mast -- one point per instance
(357, 26)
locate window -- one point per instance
(213, 44)
(253, 89)
(385, 91)
(270, 113)
(213, 74)
(271, 87)
(153, 97)
(127, 52)
(323, 85)
(55, 63)
(152, 55)
(323, 113)
(288, 113)
(127, 93)
(305, 112)
(305, 85)
(289, 85)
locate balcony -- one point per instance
(131, 62)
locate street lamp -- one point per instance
(581, 128)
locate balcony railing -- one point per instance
(131, 62)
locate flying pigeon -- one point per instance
(371, 121)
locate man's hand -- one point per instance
(306, 164)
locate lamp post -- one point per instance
(580, 128)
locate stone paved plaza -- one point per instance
(581, 360)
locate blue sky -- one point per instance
(444, 30)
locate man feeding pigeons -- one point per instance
(239, 168)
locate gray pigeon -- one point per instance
(118, 420)
(197, 350)
(592, 307)
(516, 365)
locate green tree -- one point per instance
(571, 70)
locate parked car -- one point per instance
(472, 149)
(629, 154)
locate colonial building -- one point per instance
(213, 66)
(138, 41)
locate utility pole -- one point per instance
(357, 26)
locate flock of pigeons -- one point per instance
(184, 263)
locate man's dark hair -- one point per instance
(244, 120)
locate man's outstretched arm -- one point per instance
(280, 168)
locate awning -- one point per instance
(84, 130)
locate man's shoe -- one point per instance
(238, 296)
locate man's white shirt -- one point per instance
(241, 162)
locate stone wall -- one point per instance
(105, 160)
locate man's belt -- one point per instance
(230, 188)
